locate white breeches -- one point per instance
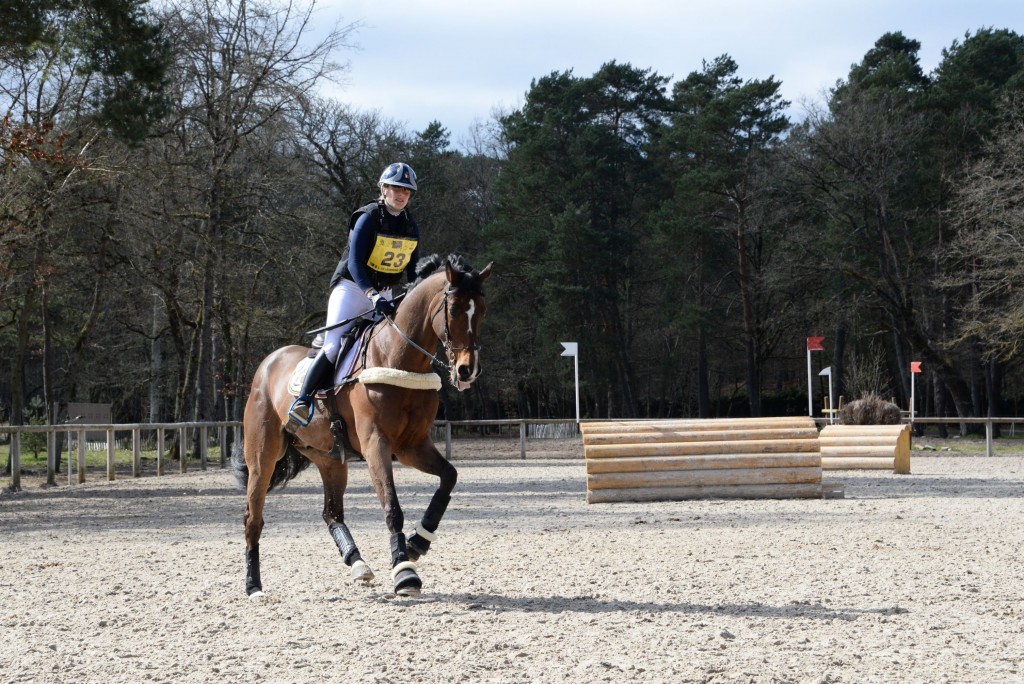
(346, 301)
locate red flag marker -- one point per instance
(915, 366)
(815, 344)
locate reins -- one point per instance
(446, 343)
(401, 333)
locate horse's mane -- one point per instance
(467, 279)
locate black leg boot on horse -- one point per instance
(426, 531)
(350, 552)
(253, 583)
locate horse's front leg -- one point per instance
(426, 458)
(334, 474)
(403, 571)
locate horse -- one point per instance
(388, 409)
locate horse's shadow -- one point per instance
(497, 603)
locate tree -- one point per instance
(115, 41)
(985, 256)
(722, 132)
(568, 232)
(869, 167)
(238, 202)
(976, 75)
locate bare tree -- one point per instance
(240, 69)
(989, 216)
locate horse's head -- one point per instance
(448, 299)
(459, 328)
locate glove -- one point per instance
(382, 305)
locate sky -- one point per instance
(460, 61)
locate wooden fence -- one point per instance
(524, 427)
(185, 435)
(78, 431)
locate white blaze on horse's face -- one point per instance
(469, 315)
(466, 366)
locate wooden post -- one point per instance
(448, 440)
(522, 440)
(136, 453)
(16, 461)
(203, 436)
(223, 439)
(69, 468)
(159, 451)
(82, 445)
(182, 450)
(51, 457)
(111, 452)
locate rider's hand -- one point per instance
(382, 305)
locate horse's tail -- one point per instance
(286, 468)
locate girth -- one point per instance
(342, 449)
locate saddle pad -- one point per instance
(298, 375)
(400, 378)
(344, 369)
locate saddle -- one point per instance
(344, 369)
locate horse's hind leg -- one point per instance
(426, 458)
(261, 468)
(334, 473)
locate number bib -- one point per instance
(391, 254)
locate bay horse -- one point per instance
(445, 306)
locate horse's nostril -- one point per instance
(465, 372)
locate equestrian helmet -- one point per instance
(398, 174)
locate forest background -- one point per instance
(174, 195)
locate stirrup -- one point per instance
(299, 417)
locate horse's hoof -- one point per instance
(361, 571)
(407, 582)
(255, 593)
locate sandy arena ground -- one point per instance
(913, 578)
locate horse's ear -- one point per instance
(449, 271)
(486, 272)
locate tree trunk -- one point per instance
(749, 325)
(993, 385)
(156, 363)
(703, 378)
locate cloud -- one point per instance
(456, 60)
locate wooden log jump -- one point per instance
(667, 460)
(879, 447)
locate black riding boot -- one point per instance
(319, 374)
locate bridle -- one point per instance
(446, 343)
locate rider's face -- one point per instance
(396, 197)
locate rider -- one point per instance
(383, 243)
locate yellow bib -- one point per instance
(391, 254)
